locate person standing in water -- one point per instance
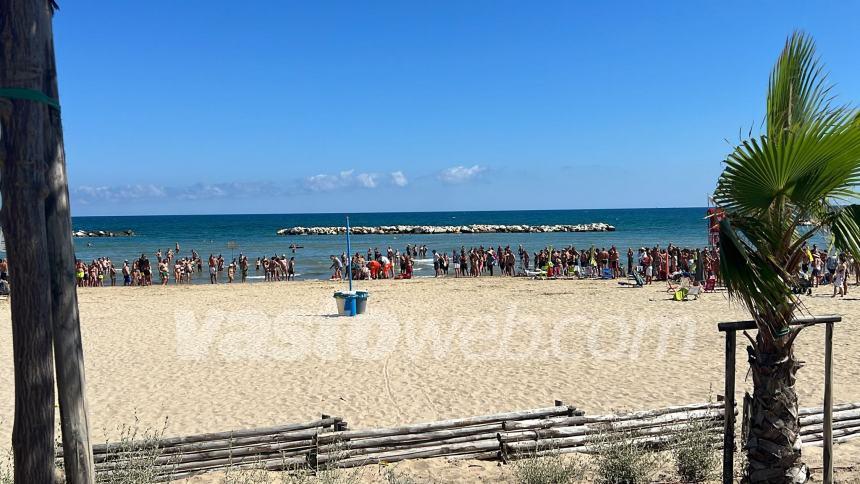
(213, 270)
(243, 264)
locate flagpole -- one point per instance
(348, 254)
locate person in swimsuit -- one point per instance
(291, 269)
(231, 272)
(80, 272)
(163, 272)
(839, 276)
(243, 265)
(336, 268)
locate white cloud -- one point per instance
(399, 179)
(102, 193)
(366, 180)
(322, 182)
(348, 179)
(460, 173)
(345, 179)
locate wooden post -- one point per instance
(24, 35)
(78, 462)
(34, 181)
(729, 430)
(828, 404)
(728, 439)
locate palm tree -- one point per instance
(804, 167)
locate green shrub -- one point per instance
(7, 475)
(695, 453)
(548, 467)
(254, 475)
(391, 475)
(622, 459)
(328, 473)
(134, 463)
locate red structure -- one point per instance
(715, 215)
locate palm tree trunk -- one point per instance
(773, 441)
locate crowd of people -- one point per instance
(819, 267)
(652, 263)
(142, 272)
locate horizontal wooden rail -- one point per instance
(808, 321)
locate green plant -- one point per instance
(391, 475)
(695, 451)
(135, 458)
(803, 168)
(548, 467)
(623, 458)
(253, 475)
(7, 474)
(323, 476)
(328, 473)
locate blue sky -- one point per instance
(186, 106)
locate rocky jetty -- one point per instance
(447, 229)
(102, 233)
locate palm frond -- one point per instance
(805, 167)
(798, 90)
(752, 279)
(845, 229)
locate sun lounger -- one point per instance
(694, 292)
(638, 281)
(685, 293)
(684, 282)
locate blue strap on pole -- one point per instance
(29, 95)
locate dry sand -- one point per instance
(212, 358)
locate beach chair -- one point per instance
(693, 292)
(607, 273)
(638, 281)
(684, 282)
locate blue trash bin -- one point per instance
(361, 301)
(346, 303)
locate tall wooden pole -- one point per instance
(68, 348)
(22, 181)
(828, 404)
(729, 430)
(37, 223)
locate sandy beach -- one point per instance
(211, 358)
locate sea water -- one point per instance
(255, 235)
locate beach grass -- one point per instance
(547, 466)
(695, 453)
(6, 472)
(139, 462)
(622, 458)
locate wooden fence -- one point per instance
(329, 443)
